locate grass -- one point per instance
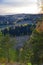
(3, 64)
(29, 63)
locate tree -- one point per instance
(2, 52)
(6, 43)
(33, 48)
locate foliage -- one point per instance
(6, 46)
(19, 30)
(13, 55)
(33, 49)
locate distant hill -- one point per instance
(19, 19)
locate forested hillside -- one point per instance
(19, 19)
(33, 48)
(30, 53)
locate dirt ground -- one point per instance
(11, 64)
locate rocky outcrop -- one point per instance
(39, 27)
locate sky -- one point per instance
(18, 7)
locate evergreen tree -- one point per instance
(33, 49)
(6, 44)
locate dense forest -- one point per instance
(19, 30)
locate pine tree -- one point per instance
(33, 49)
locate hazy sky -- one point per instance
(18, 6)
